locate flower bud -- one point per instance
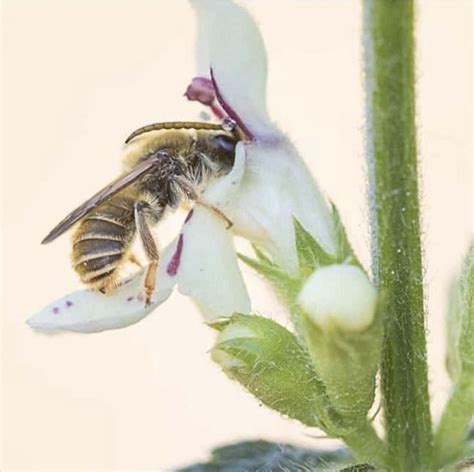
(343, 335)
(339, 295)
(270, 363)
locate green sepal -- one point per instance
(452, 435)
(347, 363)
(261, 256)
(453, 331)
(286, 286)
(344, 251)
(270, 363)
(460, 325)
(466, 329)
(310, 253)
(220, 324)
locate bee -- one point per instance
(165, 165)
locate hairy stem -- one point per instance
(366, 445)
(397, 264)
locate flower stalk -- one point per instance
(395, 219)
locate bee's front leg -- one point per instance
(149, 246)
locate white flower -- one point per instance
(201, 262)
(340, 296)
(268, 186)
(274, 186)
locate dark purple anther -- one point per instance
(69, 304)
(201, 90)
(56, 310)
(173, 265)
(129, 299)
(189, 216)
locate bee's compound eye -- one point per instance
(225, 142)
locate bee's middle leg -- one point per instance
(149, 246)
(133, 259)
(192, 194)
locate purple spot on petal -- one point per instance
(189, 216)
(69, 304)
(173, 265)
(129, 299)
(56, 310)
(229, 110)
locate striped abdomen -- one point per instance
(102, 241)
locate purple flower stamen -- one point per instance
(229, 110)
(201, 89)
(189, 216)
(173, 265)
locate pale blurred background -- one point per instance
(78, 77)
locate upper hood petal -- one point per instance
(230, 41)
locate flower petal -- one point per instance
(208, 270)
(269, 186)
(230, 40)
(88, 311)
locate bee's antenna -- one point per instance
(175, 125)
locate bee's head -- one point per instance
(225, 142)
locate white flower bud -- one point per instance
(234, 331)
(339, 295)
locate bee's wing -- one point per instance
(101, 196)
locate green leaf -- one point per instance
(310, 253)
(271, 364)
(263, 456)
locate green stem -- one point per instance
(397, 265)
(366, 445)
(452, 429)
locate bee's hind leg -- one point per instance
(149, 246)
